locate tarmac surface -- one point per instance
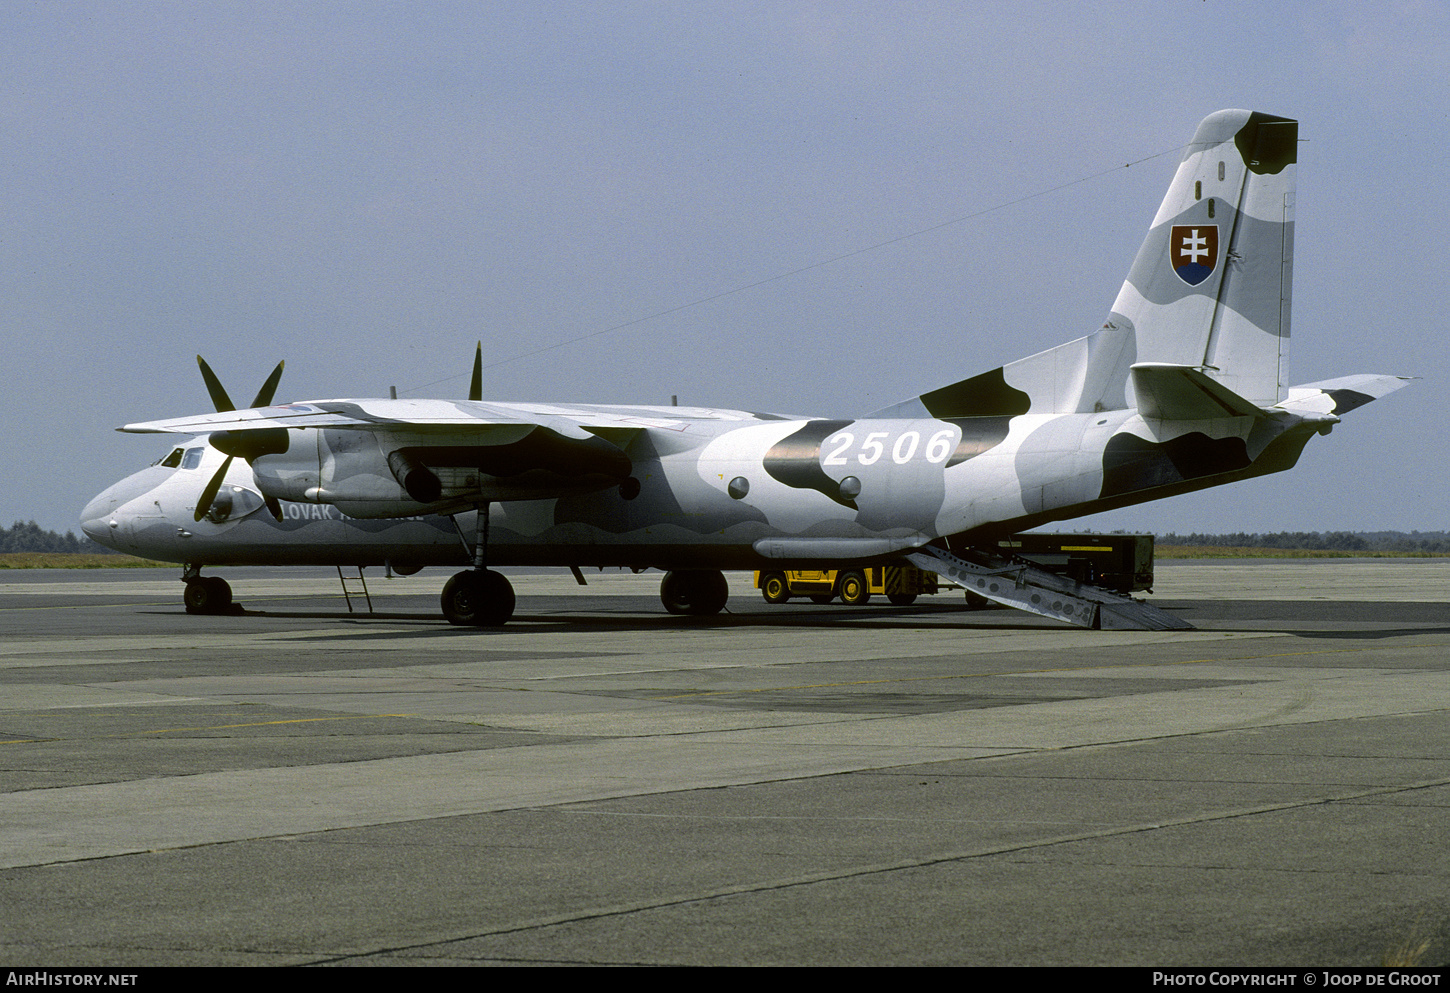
(603, 783)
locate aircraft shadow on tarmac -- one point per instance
(639, 615)
(629, 617)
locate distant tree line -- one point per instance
(28, 536)
(1331, 541)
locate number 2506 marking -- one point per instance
(902, 450)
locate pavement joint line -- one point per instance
(1013, 672)
(809, 879)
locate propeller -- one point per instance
(249, 444)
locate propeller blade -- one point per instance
(203, 502)
(475, 386)
(247, 444)
(264, 395)
(214, 386)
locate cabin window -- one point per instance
(192, 458)
(1198, 189)
(171, 461)
(1210, 206)
(1220, 172)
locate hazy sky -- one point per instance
(366, 189)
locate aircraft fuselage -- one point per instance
(730, 490)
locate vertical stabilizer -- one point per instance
(1210, 287)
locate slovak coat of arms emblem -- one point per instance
(1193, 251)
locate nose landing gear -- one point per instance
(205, 594)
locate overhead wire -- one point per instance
(744, 287)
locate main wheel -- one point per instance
(774, 587)
(902, 599)
(207, 595)
(854, 590)
(478, 598)
(697, 592)
(822, 598)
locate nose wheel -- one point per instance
(207, 595)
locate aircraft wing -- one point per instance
(530, 451)
(436, 415)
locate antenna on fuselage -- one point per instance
(475, 385)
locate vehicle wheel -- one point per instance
(854, 590)
(207, 595)
(822, 598)
(975, 601)
(478, 598)
(902, 599)
(774, 588)
(221, 594)
(697, 592)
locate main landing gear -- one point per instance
(697, 592)
(205, 594)
(479, 597)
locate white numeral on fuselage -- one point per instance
(902, 450)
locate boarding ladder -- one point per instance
(359, 588)
(1015, 582)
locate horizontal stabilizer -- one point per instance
(1337, 396)
(1184, 393)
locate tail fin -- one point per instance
(1210, 287)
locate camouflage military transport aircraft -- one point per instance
(1182, 388)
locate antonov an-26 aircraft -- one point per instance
(1183, 387)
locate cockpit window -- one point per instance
(171, 461)
(192, 458)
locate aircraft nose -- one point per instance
(93, 517)
(98, 519)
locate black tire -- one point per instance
(822, 598)
(853, 589)
(695, 592)
(901, 599)
(774, 587)
(478, 598)
(207, 595)
(975, 601)
(221, 594)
